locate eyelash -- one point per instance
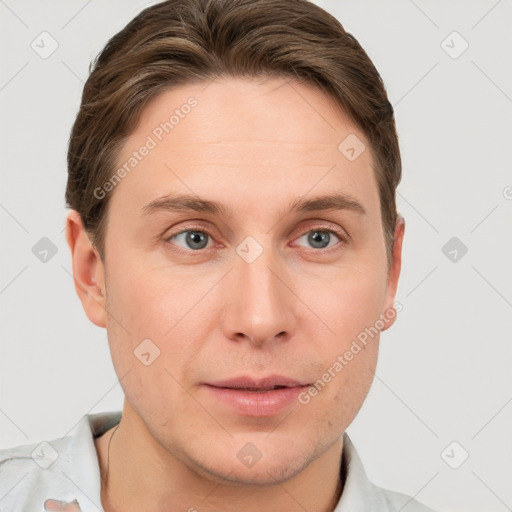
(343, 239)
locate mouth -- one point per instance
(269, 383)
(258, 390)
(246, 396)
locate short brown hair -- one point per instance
(178, 42)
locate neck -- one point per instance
(137, 473)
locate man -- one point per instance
(232, 175)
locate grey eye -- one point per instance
(194, 239)
(319, 238)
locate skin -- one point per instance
(254, 146)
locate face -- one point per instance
(250, 281)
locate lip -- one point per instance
(247, 396)
(261, 383)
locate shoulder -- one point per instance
(360, 493)
(32, 456)
(396, 501)
(65, 469)
(29, 468)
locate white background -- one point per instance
(444, 368)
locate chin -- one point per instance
(254, 460)
(271, 472)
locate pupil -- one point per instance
(318, 237)
(194, 239)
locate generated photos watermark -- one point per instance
(152, 140)
(357, 345)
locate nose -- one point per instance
(261, 307)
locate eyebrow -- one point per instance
(189, 202)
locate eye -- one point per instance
(196, 240)
(320, 238)
(193, 239)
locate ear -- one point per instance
(88, 270)
(394, 274)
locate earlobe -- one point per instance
(394, 273)
(88, 270)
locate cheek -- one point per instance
(340, 390)
(347, 302)
(150, 314)
(146, 299)
(350, 306)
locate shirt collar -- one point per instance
(85, 469)
(359, 494)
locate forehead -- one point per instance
(248, 138)
(283, 109)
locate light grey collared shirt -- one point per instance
(35, 477)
